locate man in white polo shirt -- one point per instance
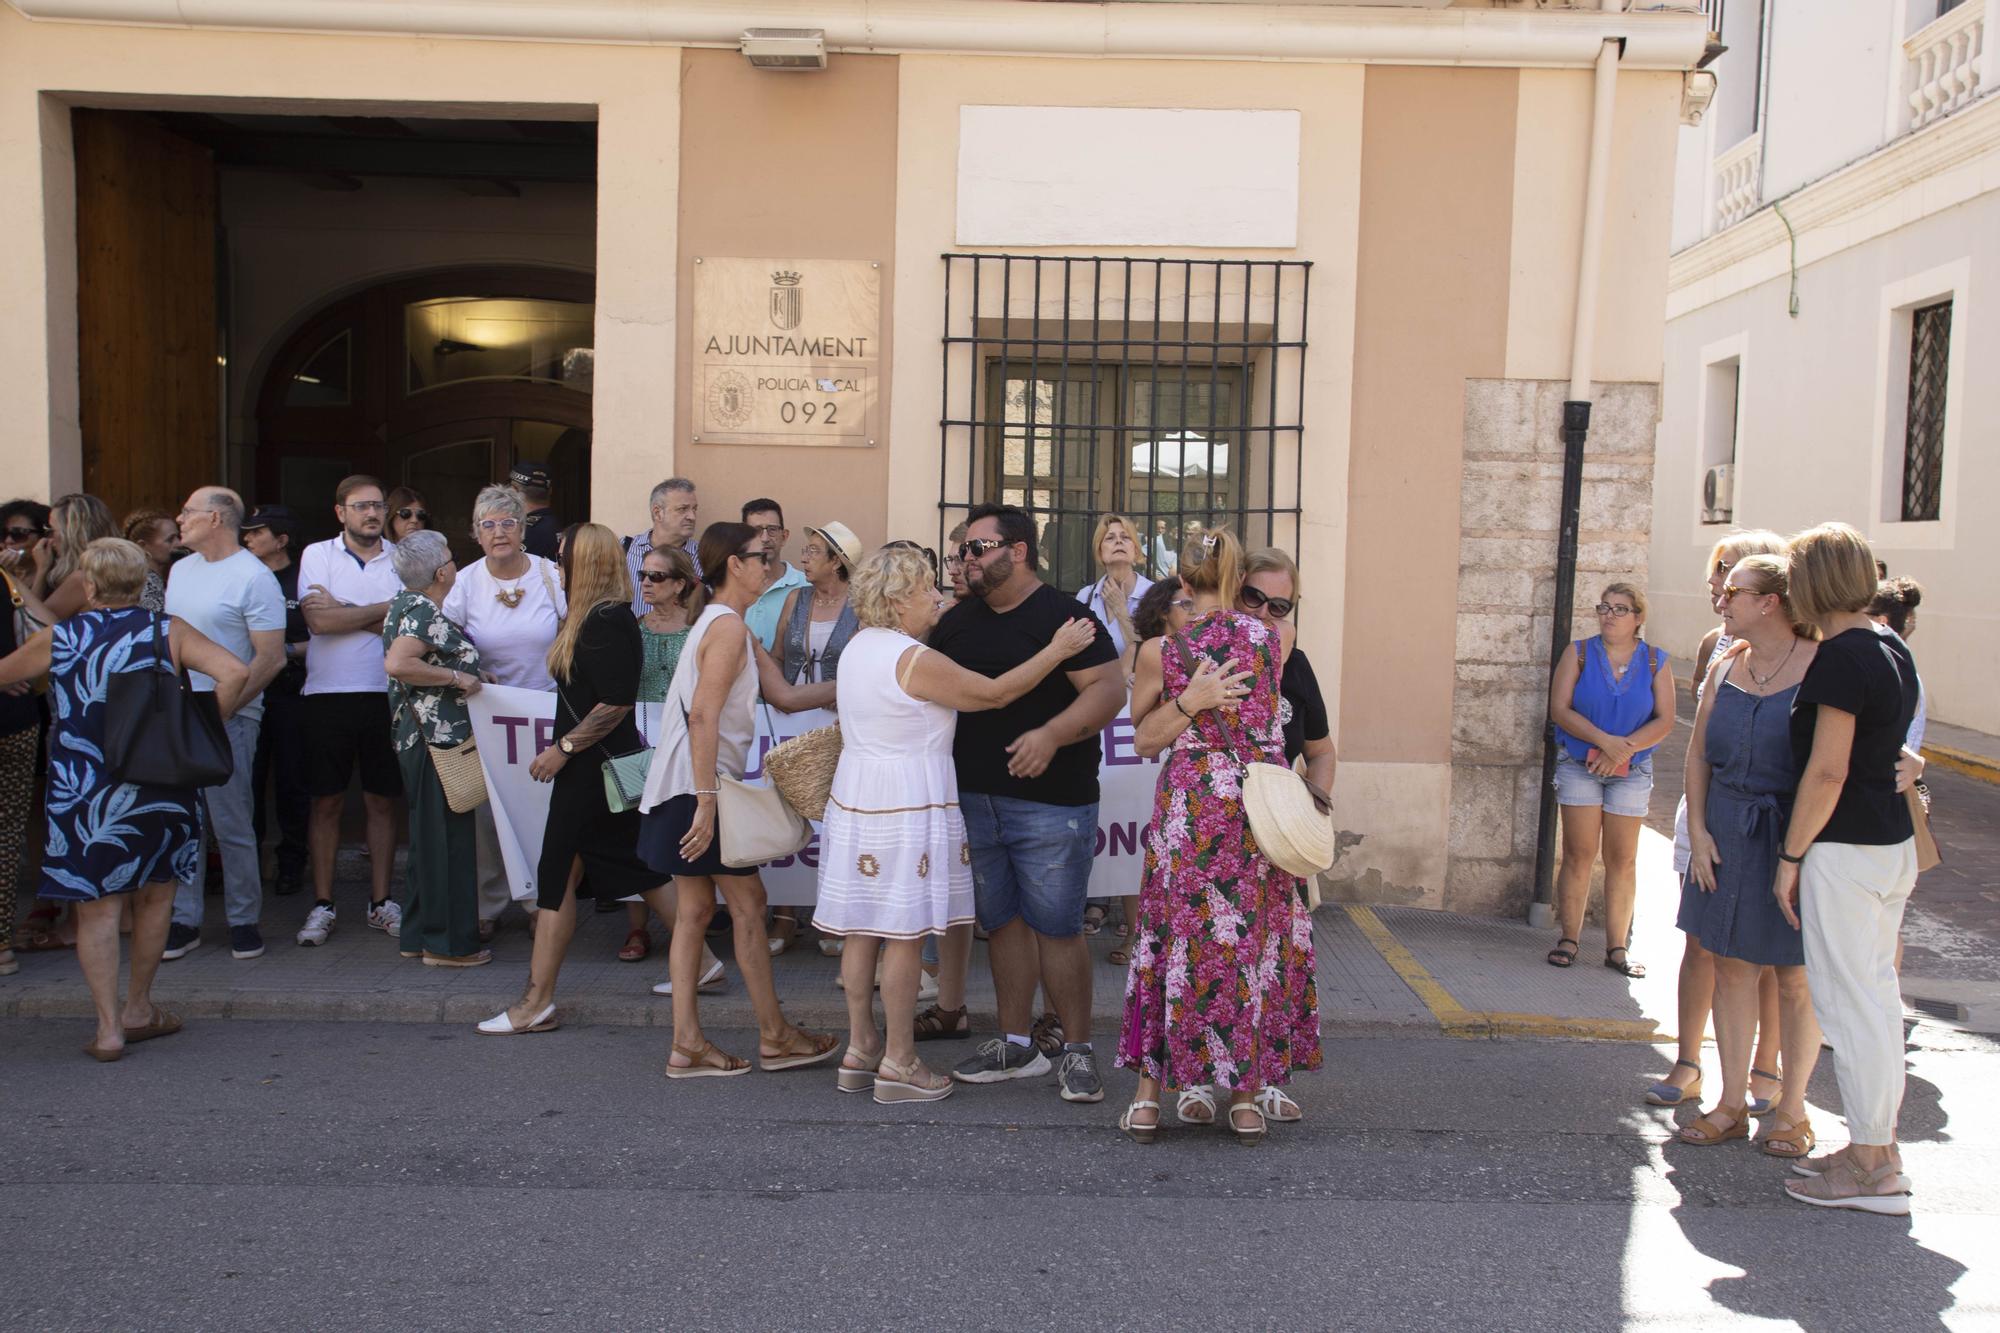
(345, 586)
(227, 593)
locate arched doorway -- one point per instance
(440, 381)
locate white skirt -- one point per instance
(898, 873)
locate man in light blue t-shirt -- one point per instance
(232, 597)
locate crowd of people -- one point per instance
(971, 696)
(1796, 839)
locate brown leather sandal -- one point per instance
(1793, 1139)
(818, 1046)
(706, 1061)
(935, 1024)
(1706, 1130)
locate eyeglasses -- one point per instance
(759, 554)
(24, 534)
(420, 515)
(979, 546)
(1616, 612)
(766, 529)
(1255, 598)
(1731, 589)
(366, 506)
(1182, 603)
(656, 576)
(499, 524)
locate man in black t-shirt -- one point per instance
(1027, 783)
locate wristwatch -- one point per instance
(565, 746)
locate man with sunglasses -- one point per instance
(1027, 779)
(768, 517)
(348, 582)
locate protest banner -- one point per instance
(512, 726)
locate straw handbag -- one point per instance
(802, 769)
(1291, 819)
(461, 775)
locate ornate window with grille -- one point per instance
(1923, 425)
(1167, 390)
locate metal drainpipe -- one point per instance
(1575, 430)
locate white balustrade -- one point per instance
(1736, 183)
(1943, 63)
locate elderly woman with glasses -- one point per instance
(511, 605)
(433, 669)
(1612, 700)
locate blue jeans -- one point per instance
(231, 820)
(1029, 860)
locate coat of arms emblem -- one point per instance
(785, 305)
(729, 400)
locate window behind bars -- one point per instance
(1170, 391)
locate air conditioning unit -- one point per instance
(1718, 494)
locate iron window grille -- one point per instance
(1170, 391)
(1923, 427)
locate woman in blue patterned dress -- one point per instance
(107, 838)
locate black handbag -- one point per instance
(159, 731)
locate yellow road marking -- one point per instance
(1962, 761)
(1455, 1020)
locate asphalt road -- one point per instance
(348, 1175)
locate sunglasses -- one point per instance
(655, 576)
(1731, 589)
(420, 515)
(759, 554)
(979, 546)
(1616, 612)
(1254, 599)
(24, 534)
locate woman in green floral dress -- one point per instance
(433, 668)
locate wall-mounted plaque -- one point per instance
(786, 351)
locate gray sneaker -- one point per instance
(999, 1060)
(1078, 1076)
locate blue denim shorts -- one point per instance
(1029, 860)
(1629, 795)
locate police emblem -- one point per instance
(729, 400)
(786, 310)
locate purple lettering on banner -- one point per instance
(1118, 743)
(545, 733)
(1125, 838)
(809, 858)
(1097, 849)
(509, 723)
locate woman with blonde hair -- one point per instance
(587, 849)
(1114, 598)
(1697, 971)
(894, 860)
(1848, 862)
(1218, 992)
(1739, 783)
(75, 521)
(1612, 701)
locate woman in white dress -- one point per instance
(894, 865)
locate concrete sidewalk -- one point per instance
(1381, 970)
(1963, 750)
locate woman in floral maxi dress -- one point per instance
(1220, 989)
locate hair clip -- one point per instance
(1207, 543)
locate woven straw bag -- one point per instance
(461, 775)
(802, 769)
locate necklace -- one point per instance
(825, 600)
(510, 597)
(1762, 681)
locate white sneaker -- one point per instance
(386, 916)
(711, 976)
(319, 924)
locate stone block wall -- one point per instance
(1510, 501)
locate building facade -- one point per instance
(1836, 218)
(1310, 271)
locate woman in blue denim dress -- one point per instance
(1612, 701)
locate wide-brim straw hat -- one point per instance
(840, 540)
(1291, 830)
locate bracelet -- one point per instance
(1184, 712)
(711, 791)
(1784, 855)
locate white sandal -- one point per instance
(1247, 1134)
(1137, 1132)
(502, 1024)
(1192, 1098)
(1277, 1105)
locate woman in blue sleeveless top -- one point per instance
(1612, 701)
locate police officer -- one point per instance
(267, 534)
(532, 481)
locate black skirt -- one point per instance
(660, 832)
(581, 825)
